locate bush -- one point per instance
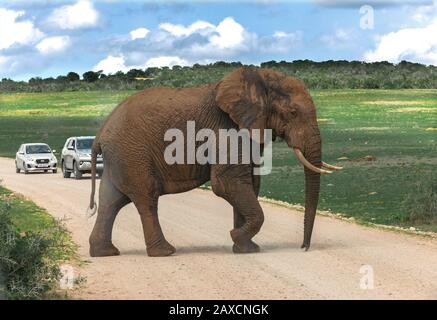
(28, 261)
(316, 75)
(422, 203)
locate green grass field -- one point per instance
(398, 128)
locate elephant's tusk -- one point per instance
(330, 166)
(307, 164)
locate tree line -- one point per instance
(317, 75)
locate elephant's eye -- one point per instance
(293, 113)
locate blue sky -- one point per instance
(50, 38)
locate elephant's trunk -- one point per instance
(312, 189)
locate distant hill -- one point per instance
(317, 75)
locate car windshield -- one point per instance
(38, 148)
(84, 144)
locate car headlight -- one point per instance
(30, 159)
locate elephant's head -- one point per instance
(265, 99)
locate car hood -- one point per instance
(87, 152)
(40, 155)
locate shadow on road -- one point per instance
(227, 249)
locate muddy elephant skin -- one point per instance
(132, 143)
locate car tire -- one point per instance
(77, 173)
(55, 171)
(100, 174)
(65, 173)
(25, 169)
(45, 171)
(17, 170)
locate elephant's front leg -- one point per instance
(247, 207)
(234, 184)
(239, 219)
(238, 216)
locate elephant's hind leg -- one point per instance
(157, 245)
(111, 200)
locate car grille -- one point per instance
(39, 161)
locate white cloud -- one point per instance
(414, 44)
(53, 44)
(280, 42)
(16, 32)
(179, 30)
(198, 42)
(111, 65)
(139, 33)
(338, 38)
(3, 61)
(165, 61)
(425, 13)
(226, 35)
(82, 14)
(280, 34)
(230, 34)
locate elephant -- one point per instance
(132, 143)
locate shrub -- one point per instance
(28, 261)
(422, 202)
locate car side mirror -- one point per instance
(70, 148)
(21, 153)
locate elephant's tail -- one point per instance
(92, 209)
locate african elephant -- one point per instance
(131, 141)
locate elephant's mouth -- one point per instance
(312, 167)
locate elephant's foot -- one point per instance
(248, 247)
(162, 249)
(243, 244)
(103, 250)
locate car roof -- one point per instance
(82, 137)
(35, 144)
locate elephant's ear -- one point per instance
(243, 95)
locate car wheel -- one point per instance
(100, 174)
(66, 174)
(45, 171)
(55, 171)
(25, 169)
(77, 173)
(17, 170)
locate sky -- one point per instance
(51, 38)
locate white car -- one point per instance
(35, 157)
(76, 157)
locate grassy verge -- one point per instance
(396, 128)
(32, 246)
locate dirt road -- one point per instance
(340, 263)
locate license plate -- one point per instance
(42, 165)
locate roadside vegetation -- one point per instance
(317, 75)
(422, 202)
(32, 246)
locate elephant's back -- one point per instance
(160, 104)
(140, 122)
